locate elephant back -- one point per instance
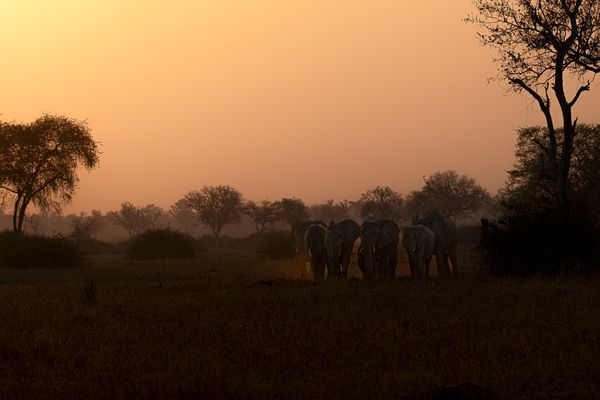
(316, 236)
(443, 228)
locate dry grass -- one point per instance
(230, 325)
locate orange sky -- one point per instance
(316, 99)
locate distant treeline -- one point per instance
(222, 211)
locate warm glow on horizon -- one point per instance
(316, 99)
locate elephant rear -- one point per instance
(316, 246)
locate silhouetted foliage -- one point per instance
(380, 203)
(329, 210)
(291, 210)
(534, 233)
(86, 226)
(275, 245)
(530, 187)
(92, 246)
(448, 193)
(22, 251)
(263, 214)
(39, 162)
(161, 244)
(539, 46)
(130, 218)
(541, 242)
(215, 206)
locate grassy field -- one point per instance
(232, 325)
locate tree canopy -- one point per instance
(529, 186)
(215, 206)
(39, 161)
(291, 210)
(448, 193)
(381, 202)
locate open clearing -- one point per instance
(232, 325)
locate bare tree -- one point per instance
(39, 162)
(448, 193)
(263, 214)
(539, 45)
(381, 202)
(215, 206)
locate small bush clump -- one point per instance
(22, 251)
(276, 245)
(162, 244)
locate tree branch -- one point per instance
(584, 88)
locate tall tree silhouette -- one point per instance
(39, 162)
(540, 44)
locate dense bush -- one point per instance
(20, 251)
(95, 246)
(276, 244)
(162, 244)
(542, 242)
(468, 234)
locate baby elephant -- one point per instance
(418, 240)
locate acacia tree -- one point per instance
(291, 210)
(539, 45)
(215, 206)
(381, 202)
(448, 193)
(39, 161)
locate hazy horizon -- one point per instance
(317, 99)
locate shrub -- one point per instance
(276, 244)
(21, 251)
(542, 242)
(162, 244)
(95, 246)
(468, 234)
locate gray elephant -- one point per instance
(378, 252)
(340, 243)
(418, 240)
(446, 241)
(315, 240)
(298, 233)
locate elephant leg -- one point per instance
(454, 260)
(411, 264)
(385, 265)
(392, 265)
(427, 266)
(345, 262)
(442, 263)
(317, 269)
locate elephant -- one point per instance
(298, 233)
(418, 240)
(340, 243)
(315, 240)
(378, 252)
(446, 241)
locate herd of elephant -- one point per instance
(329, 248)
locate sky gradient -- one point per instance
(315, 99)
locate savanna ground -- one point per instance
(233, 325)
